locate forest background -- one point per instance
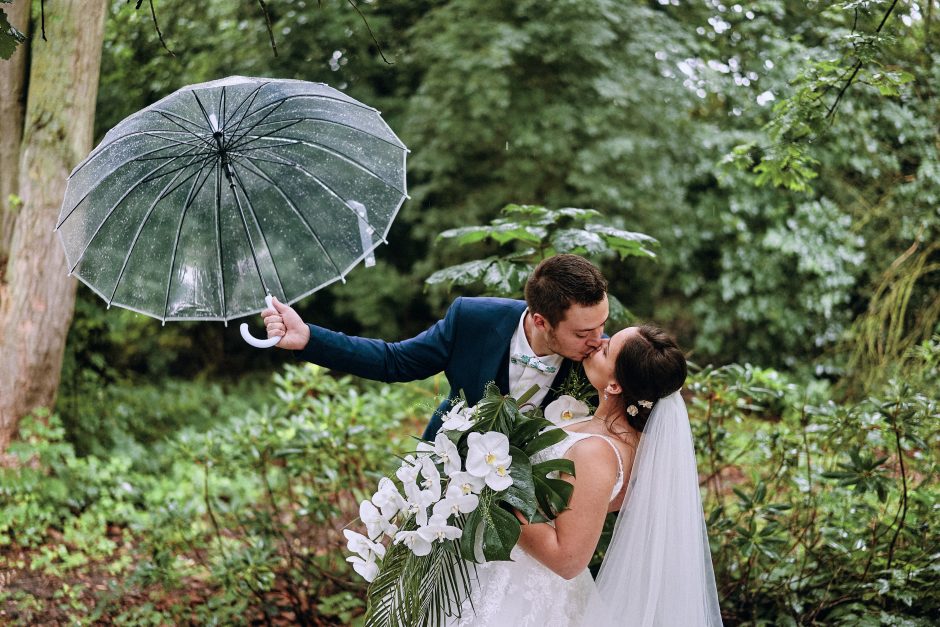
(784, 156)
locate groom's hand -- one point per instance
(284, 321)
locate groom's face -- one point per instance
(579, 333)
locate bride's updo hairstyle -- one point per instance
(650, 366)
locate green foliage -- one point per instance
(528, 234)
(243, 517)
(817, 511)
(10, 37)
(627, 108)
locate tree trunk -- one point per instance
(12, 80)
(37, 298)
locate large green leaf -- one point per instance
(552, 494)
(462, 274)
(579, 242)
(496, 412)
(521, 494)
(544, 440)
(500, 533)
(526, 430)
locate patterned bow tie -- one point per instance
(532, 362)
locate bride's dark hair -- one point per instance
(649, 367)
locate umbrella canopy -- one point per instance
(200, 205)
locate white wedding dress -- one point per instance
(657, 570)
(523, 592)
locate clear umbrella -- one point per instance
(222, 194)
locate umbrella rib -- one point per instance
(113, 170)
(100, 148)
(329, 190)
(163, 194)
(169, 117)
(235, 139)
(257, 222)
(205, 113)
(254, 138)
(312, 119)
(252, 96)
(328, 150)
(221, 109)
(191, 195)
(218, 234)
(106, 218)
(207, 156)
(284, 99)
(251, 245)
(290, 203)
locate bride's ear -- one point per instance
(613, 389)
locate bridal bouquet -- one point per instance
(451, 505)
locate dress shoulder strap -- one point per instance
(619, 484)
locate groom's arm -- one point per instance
(416, 358)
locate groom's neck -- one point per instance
(535, 337)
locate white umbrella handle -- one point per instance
(248, 337)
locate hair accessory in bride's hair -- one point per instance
(632, 410)
(646, 404)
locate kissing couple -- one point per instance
(634, 455)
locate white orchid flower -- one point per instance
(408, 472)
(459, 418)
(468, 484)
(388, 499)
(358, 543)
(367, 568)
(431, 479)
(565, 409)
(445, 451)
(413, 540)
(438, 530)
(376, 524)
(488, 457)
(455, 502)
(419, 501)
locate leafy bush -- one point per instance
(818, 511)
(241, 521)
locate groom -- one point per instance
(515, 343)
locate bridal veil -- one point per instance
(658, 569)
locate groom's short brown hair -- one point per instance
(560, 281)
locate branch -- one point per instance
(355, 7)
(267, 23)
(858, 64)
(903, 504)
(153, 14)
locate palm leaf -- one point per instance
(413, 590)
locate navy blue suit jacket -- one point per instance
(470, 346)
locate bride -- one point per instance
(635, 456)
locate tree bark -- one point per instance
(37, 298)
(12, 110)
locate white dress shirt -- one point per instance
(522, 377)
